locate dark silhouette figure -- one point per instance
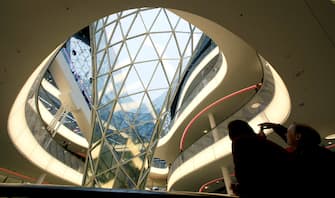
(261, 166)
(314, 163)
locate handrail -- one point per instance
(330, 146)
(210, 182)
(182, 140)
(263, 96)
(21, 176)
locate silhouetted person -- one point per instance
(261, 166)
(314, 163)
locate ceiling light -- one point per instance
(255, 105)
(205, 131)
(329, 137)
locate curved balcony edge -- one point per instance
(191, 161)
(23, 138)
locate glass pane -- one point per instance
(161, 24)
(121, 120)
(170, 67)
(137, 28)
(132, 84)
(146, 111)
(117, 36)
(109, 94)
(134, 45)
(104, 113)
(158, 98)
(149, 17)
(97, 133)
(97, 37)
(112, 18)
(127, 12)
(172, 18)
(133, 168)
(125, 23)
(183, 39)
(122, 181)
(104, 65)
(99, 24)
(119, 76)
(103, 41)
(183, 26)
(131, 103)
(95, 152)
(196, 38)
(109, 30)
(118, 141)
(171, 50)
(134, 143)
(106, 160)
(101, 81)
(113, 51)
(106, 179)
(127, 154)
(160, 40)
(188, 50)
(159, 79)
(145, 71)
(145, 130)
(147, 51)
(122, 59)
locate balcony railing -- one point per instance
(247, 112)
(204, 77)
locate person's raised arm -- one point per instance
(277, 128)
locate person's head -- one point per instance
(238, 128)
(300, 134)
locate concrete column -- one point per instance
(71, 95)
(227, 180)
(212, 123)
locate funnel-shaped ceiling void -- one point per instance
(139, 56)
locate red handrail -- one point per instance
(210, 182)
(252, 87)
(330, 146)
(16, 174)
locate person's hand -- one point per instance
(268, 125)
(277, 128)
(261, 133)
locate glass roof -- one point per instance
(140, 55)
